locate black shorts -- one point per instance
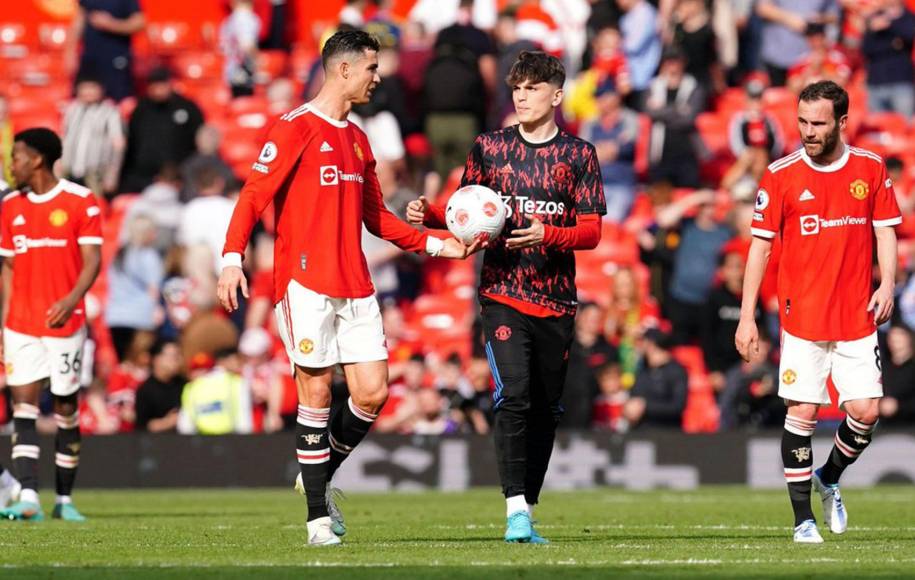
(528, 356)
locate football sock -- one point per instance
(349, 427)
(514, 504)
(67, 443)
(313, 454)
(25, 446)
(852, 438)
(797, 456)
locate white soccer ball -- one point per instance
(474, 210)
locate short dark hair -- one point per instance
(831, 92)
(348, 41)
(44, 141)
(159, 346)
(536, 67)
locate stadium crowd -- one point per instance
(686, 102)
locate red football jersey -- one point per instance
(42, 234)
(825, 216)
(321, 172)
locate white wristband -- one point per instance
(434, 246)
(231, 259)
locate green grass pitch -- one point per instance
(715, 532)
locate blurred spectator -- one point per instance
(431, 417)
(162, 129)
(476, 404)
(614, 134)
(898, 404)
(906, 303)
(628, 316)
(693, 34)
(659, 395)
(263, 375)
(383, 132)
(281, 98)
(6, 144)
(403, 396)
(388, 107)
(104, 29)
(434, 15)
(455, 89)
(208, 141)
(93, 138)
(352, 13)
(823, 61)
(206, 217)
(673, 102)
(608, 407)
(113, 406)
(159, 397)
(887, 50)
(238, 36)
(218, 402)
(607, 68)
(588, 351)
(206, 331)
(755, 139)
(695, 260)
(509, 46)
(160, 202)
(641, 43)
(718, 324)
(784, 23)
(750, 396)
(134, 279)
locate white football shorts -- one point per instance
(806, 364)
(32, 358)
(319, 331)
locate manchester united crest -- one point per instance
(306, 346)
(789, 376)
(859, 189)
(503, 333)
(58, 218)
(358, 151)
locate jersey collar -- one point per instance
(334, 122)
(46, 197)
(834, 166)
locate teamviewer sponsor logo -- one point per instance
(810, 225)
(329, 175)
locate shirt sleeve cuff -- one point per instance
(5, 253)
(231, 259)
(888, 223)
(89, 240)
(762, 233)
(434, 246)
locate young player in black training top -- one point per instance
(551, 183)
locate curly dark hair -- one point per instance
(536, 67)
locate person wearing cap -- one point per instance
(613, 134)
(162, 129)
(104, 29)
(50, 241)
(673, 101)
(659, 394)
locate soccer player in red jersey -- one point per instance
(828, 202)
(319, 171)
(50, 241)
(552, 185)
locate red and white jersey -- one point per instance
(42, 234)
(320, 173)
(825, 216)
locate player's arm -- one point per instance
(380, 222)
(747, 336)
(279, 156)
(420, 212)
(882, 301)
(59, 312)
(106, 22)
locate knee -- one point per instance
(867, 412)
(371, 399)
(805, 411)
(513, 404)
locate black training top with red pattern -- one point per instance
(554, 181)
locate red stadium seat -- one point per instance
(12, 33)
(198, 66)
(270, 65)
(173, 37)
(53, 36)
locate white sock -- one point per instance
(530, 510)
(516, 503)
(28, 496)
(6, 478)
(63, 500)
(313, 525)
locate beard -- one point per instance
(829, 144)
